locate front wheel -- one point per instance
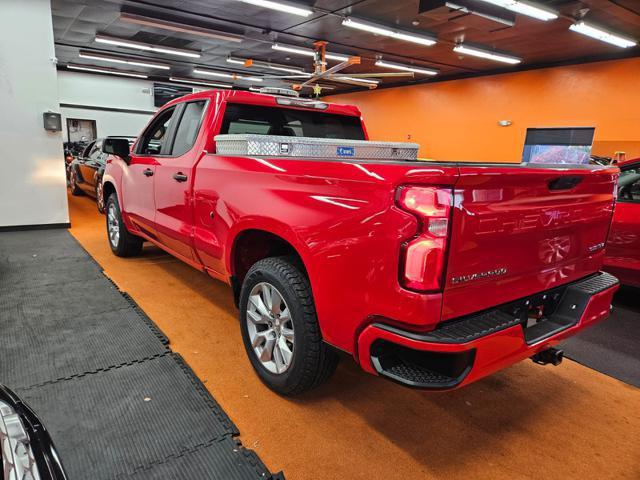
(280, 328)
(122, 243)
(100, 196)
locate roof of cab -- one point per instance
(267, 100)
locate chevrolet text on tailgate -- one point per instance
(430, 274)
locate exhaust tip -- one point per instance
(553, 356)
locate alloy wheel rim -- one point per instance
(113, 226)
(99, 199)
(270, 328)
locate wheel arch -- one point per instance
(254, 244)
(108, 187)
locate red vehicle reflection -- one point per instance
(623, 248)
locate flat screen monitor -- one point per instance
(557, 146)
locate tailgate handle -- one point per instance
(564, 183)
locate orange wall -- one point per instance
(458, 120)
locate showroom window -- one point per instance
(153, 139)
(189, 127)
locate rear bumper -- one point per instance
(461, 351)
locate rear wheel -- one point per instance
(122, 243)
(73, 183)
(280, 328)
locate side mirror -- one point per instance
(117, 146)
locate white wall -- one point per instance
(32, 175)
(106, 93)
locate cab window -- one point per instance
(188, 128)
(155, 137)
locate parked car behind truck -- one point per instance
(623, 247)
(85, 171)
(430, 274)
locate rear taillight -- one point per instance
(423, 257)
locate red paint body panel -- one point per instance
(513, 221)
(492, 352)
(342, 219)
(623, 247)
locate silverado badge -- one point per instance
(478, 276)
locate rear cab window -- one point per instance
(260, 120)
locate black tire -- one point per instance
(127, 244)
(313, 361)
(73, 183)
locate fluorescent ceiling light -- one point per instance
(406, 68)
(110, 71)
(388, 31)
(363, 80)
(308, 52)
(120, 42)
(199, 82)
(525, 8)
(602, 35)
(285, 7)
(297, 71)
(236, 61)
(505, 18)
(488, 54)
(272, 66)
(122, 60)
(230, 76)
(178, 27)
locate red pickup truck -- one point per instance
(430, 274)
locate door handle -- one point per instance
(148, 172)
(180, 177)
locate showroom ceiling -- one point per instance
(254, 30)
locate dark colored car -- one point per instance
(85, 172)
(26, 448)
(623, 247)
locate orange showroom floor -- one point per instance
(525, 422)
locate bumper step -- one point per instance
(560, 300)
(539, 316)
(424, 370)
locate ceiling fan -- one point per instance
(332, 75)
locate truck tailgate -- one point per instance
(522, 230)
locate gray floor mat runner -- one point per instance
(612, 346)
(96, 369)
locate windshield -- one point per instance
(259, 120)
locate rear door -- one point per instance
(522, 230)
(174, 180)
(138, 177)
